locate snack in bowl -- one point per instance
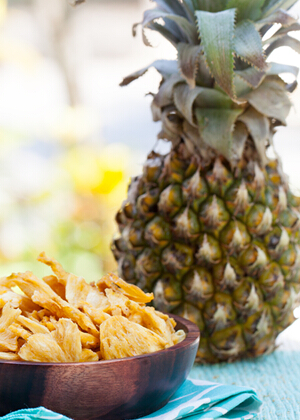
(62, 318)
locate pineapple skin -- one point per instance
(217, 246)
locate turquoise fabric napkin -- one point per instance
(204, 400)
(39, 413)
(195, 399)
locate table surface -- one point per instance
(275, 377)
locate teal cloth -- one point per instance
(39, 413)
(205, 400)
(275, 377)
(195, 399)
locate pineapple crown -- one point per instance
(221, 91)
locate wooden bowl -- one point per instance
(108, 390)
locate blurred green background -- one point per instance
(70, 137)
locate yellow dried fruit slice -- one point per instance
(96, 315)
(120, 338)
(9, 355)
(88, 356)
(79, 292)
(178, 336)
(117, 302)
(32, 325)
(88, 341)
(67, 336)
(62, 309)
(8, 340)
(16, 300)
(42, 348)
(19, 331)
(56, 267)
(55, 285)
(130, 290)
(29, 283)
(77, 289)
(149, 319)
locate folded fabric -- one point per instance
(39, 413)
(204, 400)
(195, 399)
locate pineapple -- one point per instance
(212, 228)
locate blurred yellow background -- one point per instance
(70, 137)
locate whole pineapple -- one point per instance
(212, 228)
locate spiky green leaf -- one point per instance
(164, 96)
(284, 41)
(188, 61)
(216, 128)
(188, 29)
(210, 6)
(252, 76)
(212, 98)
(218, 45)
(165, 32)
(259, 129)
(271, 99)
(204, 77)
(185, 99)
(164, 67)
(248, 44)
(172, 6)
(246, 9)
(178, 25)
(241, 87)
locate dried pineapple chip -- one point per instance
(41, 314)
(88, 356)
(62, 345)
(9, 355)
(88, 341)
(118, 302)
(63, 309)
(122, 338)
(29, 283)
(67, 336)
(33, 326)
(130, 290)
(56, 267)
(16, 300)
(55, 285)
(78, 291)
(149, 319)
(42, 348)
(20, 331)
(96, 315)
(8, 340)
(178, 336)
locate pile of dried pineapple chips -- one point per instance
(62, 318)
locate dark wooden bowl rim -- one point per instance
(192, 335)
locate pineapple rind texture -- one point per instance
(225, 256)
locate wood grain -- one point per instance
(106, 390)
